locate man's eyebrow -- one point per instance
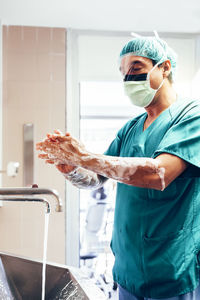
(133, 63)
(136, 62)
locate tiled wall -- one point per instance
(33, 92)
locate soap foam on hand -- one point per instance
(67, 150)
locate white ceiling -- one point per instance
(113, 15)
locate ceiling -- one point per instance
(110, 15)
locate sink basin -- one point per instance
(21, 279)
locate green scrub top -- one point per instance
(156, 234)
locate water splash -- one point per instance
(70, 292)
(5, 292)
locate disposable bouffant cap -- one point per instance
(153, 48)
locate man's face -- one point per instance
(134, 65)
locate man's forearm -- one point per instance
(141, 172)
(85, 179)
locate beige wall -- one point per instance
(33, 92)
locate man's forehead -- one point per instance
(128, 60)
(133, 58)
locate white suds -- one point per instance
(161, 173)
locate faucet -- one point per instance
(12, 194)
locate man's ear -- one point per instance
(166, 65)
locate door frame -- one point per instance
(1, 97)
(72, 126)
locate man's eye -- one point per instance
(134, 69)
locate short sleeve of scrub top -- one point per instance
(183, 137)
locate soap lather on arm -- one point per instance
(88, 170)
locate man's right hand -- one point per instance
(65, 168)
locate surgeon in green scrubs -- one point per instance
(155, 158)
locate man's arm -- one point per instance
(79, 177)
(170, 167)
(82, 178)
(143, 172)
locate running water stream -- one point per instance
(46, 225)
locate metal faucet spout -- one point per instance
(32, 199)
(18, 191)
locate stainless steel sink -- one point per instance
(21, 279)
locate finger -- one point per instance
(61, 138)
(46, 143)
(39, 143)
(48, 161)
(51, 137)
(57, 138)
(57, 131)
(38, 147)
(43, 156)
(41, 147)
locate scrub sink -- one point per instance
(21, 279)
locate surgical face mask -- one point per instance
(138, 88)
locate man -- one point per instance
(155, 158)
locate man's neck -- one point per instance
(163, 99)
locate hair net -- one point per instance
(151, 47)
